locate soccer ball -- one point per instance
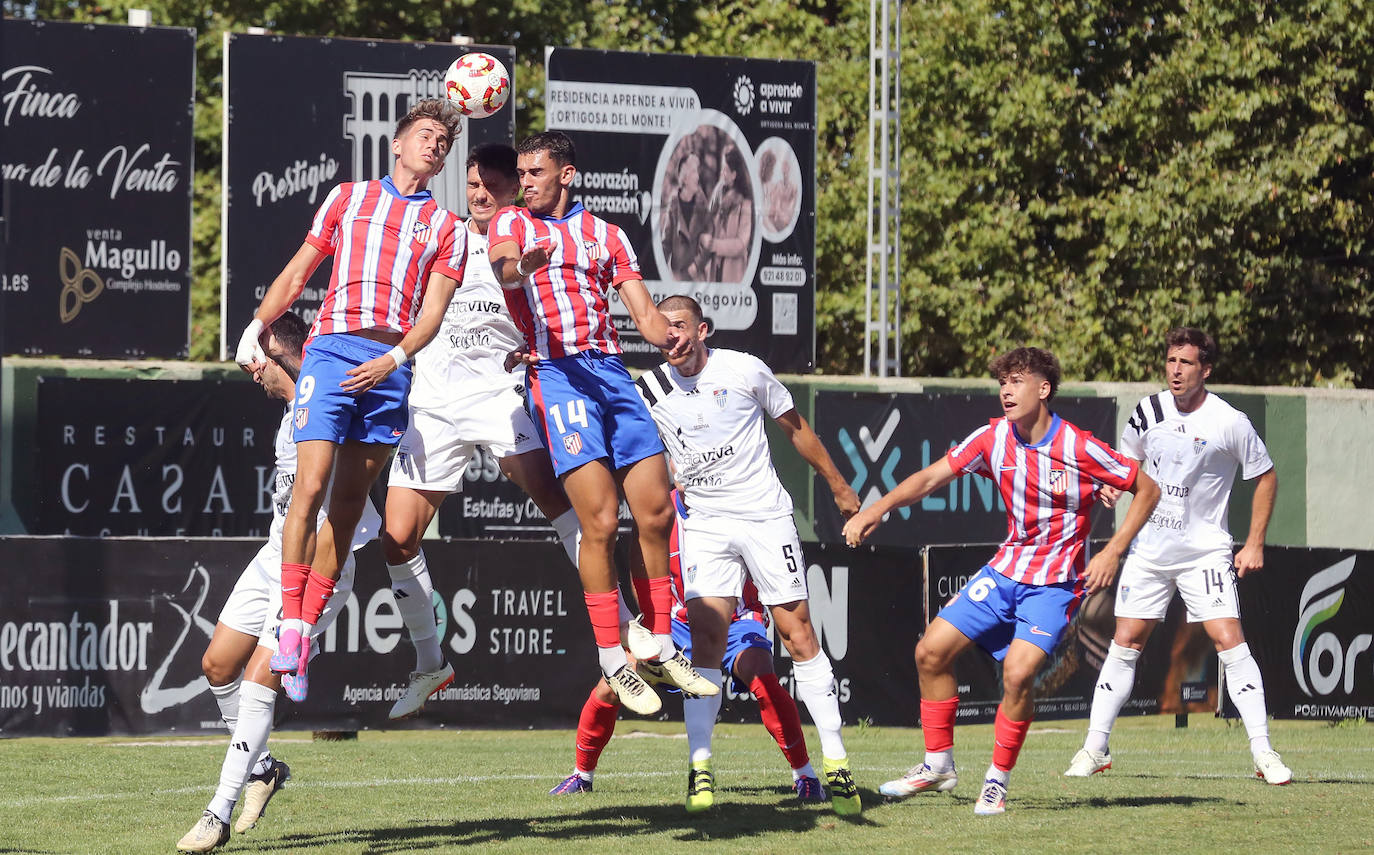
(477, 84)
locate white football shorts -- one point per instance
(717, 552)
(1207, 585)
(254, 606)
(439, 443)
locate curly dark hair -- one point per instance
(1027, 360)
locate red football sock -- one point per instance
(937, 723)
(318, 590)
(1008, 738)
(594, 730)
(293, 578)
(604, 611)
(779, 713)
(656, 599)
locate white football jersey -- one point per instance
(713, 427)
(1194, 457)
(369, 525)
(469, 351)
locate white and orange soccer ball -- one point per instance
(477, 84)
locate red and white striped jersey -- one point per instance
(562, 308)
(1049, 489)
(385, 247)
(747, 607)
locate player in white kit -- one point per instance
(462, 398)
(236, 660)
(1191, 442)
(710, 407)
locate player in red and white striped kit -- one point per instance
(1018, 606)
(398, 258)
(559, 264)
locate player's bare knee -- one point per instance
(599, 526)
(1017, 680)
(400, 550)
(930, 658)
(216, 670)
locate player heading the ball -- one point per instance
(398, 256)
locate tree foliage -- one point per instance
(1076, 174)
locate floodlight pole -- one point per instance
(883, 270)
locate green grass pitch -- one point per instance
(1170, 791)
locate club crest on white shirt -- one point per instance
(719, 396)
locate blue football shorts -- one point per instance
(744, 633)
(587, 408)
(993, 610)
(323, 410)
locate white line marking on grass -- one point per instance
(194, 743)
(642, 734)
(208, 787)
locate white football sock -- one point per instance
(248, 742)
(227, 696)
(667, 648)
(999, 775)
(569, 533)
(414, 593)
(612, 659)
(804, 772)
(1246, 688)
(816, 688)
(625, 614)
(940, 761)
(1113, 689)
(699, 714)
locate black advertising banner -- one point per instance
(151, 457)
(708, 165)
(866, 607)
(1309, 621)
(115, 645)
(117, 648)
(877, 440)
(1178, 654)
(97, 172)
(303, 114)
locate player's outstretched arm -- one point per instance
(438, 294)
(510, 266)
(1102, 569)
(912, 490)
(284, 290)
(651, 323)
(809, 446)
(1251, 555)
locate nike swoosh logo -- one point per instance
(1005, 468)
(1036, 630)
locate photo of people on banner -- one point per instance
(718, 198)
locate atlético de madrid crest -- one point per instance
(1059, 482)
(421, 233)
(573, 443)
(719, 397)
